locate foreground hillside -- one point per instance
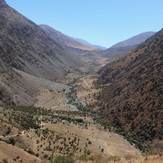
(132, 99)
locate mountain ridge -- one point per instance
(89, 44)
(135, 40)
(64, 39)
(125, 47)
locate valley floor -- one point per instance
(62, 125)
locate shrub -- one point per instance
(11, 141)
(63, 159)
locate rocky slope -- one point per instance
(14, 89)
(132, 99)
(26, 47)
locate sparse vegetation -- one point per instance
(63, 159)
(132, 103)
(129, 104)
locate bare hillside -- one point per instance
(25, 46)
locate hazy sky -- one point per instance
(101, 22)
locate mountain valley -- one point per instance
(62, 101)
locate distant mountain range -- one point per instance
(89, 44)
(124, 47)
(135, 40)
(66, 40)
(120, 48)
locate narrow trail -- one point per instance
(85, 82)
(9, 136)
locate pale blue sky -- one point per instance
(101, 22)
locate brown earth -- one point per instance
(58, 127)
(132, 99)
(10, 154)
